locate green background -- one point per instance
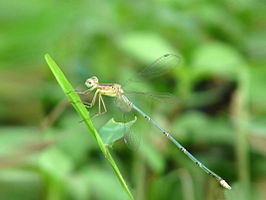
(46, 153)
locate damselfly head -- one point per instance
(92, 82)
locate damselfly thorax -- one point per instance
(106, 89)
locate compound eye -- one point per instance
(89, 83)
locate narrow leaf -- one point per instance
(82, 111)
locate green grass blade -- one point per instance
(82, 111)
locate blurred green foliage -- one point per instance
(45, 153)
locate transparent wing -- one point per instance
(157, 96)
(159, 67)
(122, 105)
(131, 139)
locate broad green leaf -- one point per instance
(215, 17)
(202, 128)
(218, 59)
(75, 145)
(242, 191)
(96, 182)
(152, 156)
(113, 131)
(173, 183)
(145, 46)
(20, 184)
(257, 94)
(12, 139)
(55, 163)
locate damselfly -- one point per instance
(116, 91)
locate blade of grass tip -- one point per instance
(82, 111)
